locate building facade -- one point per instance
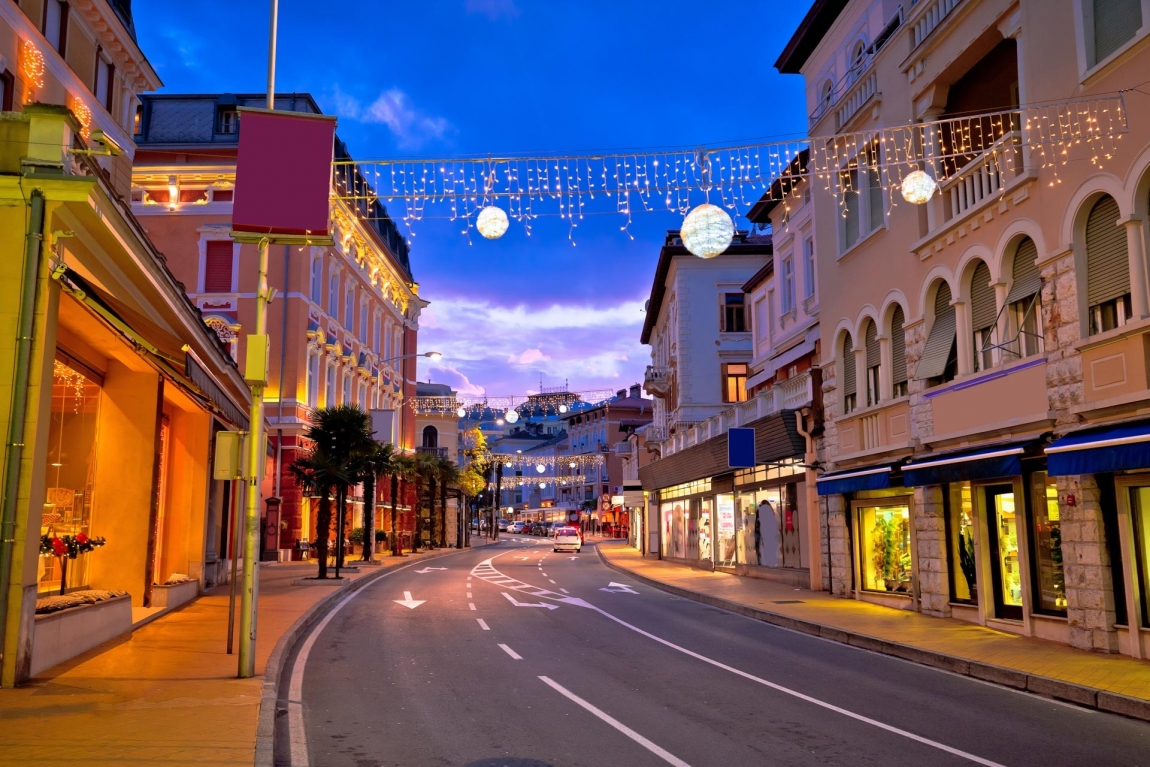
(981, 386)
(344, 323)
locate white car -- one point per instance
(567, 539)
(516, 527)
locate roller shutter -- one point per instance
(1107, 264)
(1026, 281)
(1115, 22)
(897, 347)
(982, 310)
(849, 386)
(940, 342)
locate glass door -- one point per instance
(1006, 573)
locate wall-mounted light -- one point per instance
(173, 192)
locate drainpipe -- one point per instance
(34, 239)
(809, 458)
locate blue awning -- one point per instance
(871, 478)
(989, 462)
(1117, 448)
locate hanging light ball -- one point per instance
(562, 408)
(498, 421)
(918, 187)
(707, 231)
(492, 222)
(461, 412)
(540, 468)
(572, 464)
(511, 416)
(542, 485)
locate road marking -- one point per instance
(658, 751)
(429, 569)
(543, 574)
(469, 595)
(483, 624)
(511, 599)
(514, 655)
(408, 602)
(619, 588)
(565, 591)
(471, 605)
(550, 581)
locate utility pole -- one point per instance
(255, 458)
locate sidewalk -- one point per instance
(167, 692)
(1115, 683)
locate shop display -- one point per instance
(885, 560)
(962, 561)
(1046, 534)
(65, 548)
(1006, 535)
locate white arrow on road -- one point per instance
(572, 557)
(619, 588)
(511, 599)
(429, 569)
(521, 557)
(408, 602)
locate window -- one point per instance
(349, 308)
(375, 335)
(826, 97)
(788, 286)
(858, 61)
(1113, 23)
(313, 380)
(1107, 268)
(363, 319)
(1046, 546)
(862, 200)
(734, 313)
(317, 281)
(808, 267)
(223, 195)
(850, 398)
(873, 363)
(346, 390)
(939, 360)
(138, 121)
(960, 543)
(329, 390)
(105, 71)
(7, 90)
(1023, 302)
(898, 354)
(884, 549)
(218, 266)
(734, 382)
(983, 317)
(56, 25)
(1140, 511)
(386, 340)
(430, 436)
(333, 295)
(227, 122)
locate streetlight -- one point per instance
(433, 356)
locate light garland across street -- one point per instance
(523, 405)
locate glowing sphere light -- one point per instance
(511, 416)
(461, 412)
(918, 187)
(707, 231)
(492, 222)
(540, 468)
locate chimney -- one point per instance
(621, 394)
(636, 391)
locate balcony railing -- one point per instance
(855, 98)
(438, 452)
(930, 16)
(622, 448)
(657, 380)
(983, 177)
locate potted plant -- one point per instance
(66, 547)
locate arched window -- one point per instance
(858, 60)
(1107, 268)
(363, 319)
(349, 308)
(317, 281)
(939, 360)
(982, 317)
(873, 362)
(898, 353)
(430, 436)
(1024, 303)
(333, 295)
(826, 95)
(850, 385)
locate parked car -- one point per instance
(503, 523)
(516, 527)
(540, 529)
(567, 539)
(526, 529)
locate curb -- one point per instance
(266, 723)
(1087, 697)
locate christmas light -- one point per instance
(918, 187)
(707, 231)
(511, 416)
(492, 223)
(540, 468)
(32, 62)
(461, 412)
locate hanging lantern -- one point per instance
(492, 222)
(542, 485)
(540, 468)
(511, 416)
(461, 412)
(707, 231)
(572, 464)
(562, 408)
(918, 187)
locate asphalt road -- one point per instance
(482, 674)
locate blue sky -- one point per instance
(443, 78)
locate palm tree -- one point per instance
(402, 468)
(318, 474)
(426, 468)
(448, 473)
(377, 463)
(343, 434)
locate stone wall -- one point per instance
(1087, 566)
(930, 540)
(834, 509)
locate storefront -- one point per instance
(685, 516)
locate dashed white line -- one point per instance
(514, 655)
(550, 581)
(471, 605)
(565, 591)
(658, 751)
(469, 595)
(483, 624)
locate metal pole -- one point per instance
(234, 542)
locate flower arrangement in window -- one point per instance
(66, 547)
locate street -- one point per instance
(514, 655)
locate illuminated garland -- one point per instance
(513, 482)
(523, 405)
(549, 462)
(32, 62)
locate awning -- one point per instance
(212, 391)
(1117, 448)
(987, 462)
(870, 478)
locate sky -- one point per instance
(449, 78)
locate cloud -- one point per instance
(528, 357)
(492, 9)
(457, 380)
(412, 127)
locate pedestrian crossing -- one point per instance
(486, 571)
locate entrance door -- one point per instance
(1006, 574)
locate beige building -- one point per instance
(983, 353)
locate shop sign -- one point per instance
(726, 506)
(741, 448)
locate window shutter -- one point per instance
(1115, 22)
(982, 310)
(897, 347)
(873, 354)
(1107, 264)
(850, 208)
(848, 367)
(941, 340)
(218, 267)
(875, 184)
(1026, 279)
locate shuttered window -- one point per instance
(1107, 264)
(849, 383)
(1025, 281)
(940, 344)
(850, 208)
(982, 311)
(218, 267)
(1115, 22)
(898, 352)
(874, 185)
(873, 362)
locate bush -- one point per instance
(357, 536)
(380, 536)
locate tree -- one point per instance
(317, 475)
(475, 459)
(402, 468)
(426, 470)
(448, 475)
(377, 464)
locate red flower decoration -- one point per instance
(81, 538)
(59, 547)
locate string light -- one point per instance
(83, 116)
(32, 62)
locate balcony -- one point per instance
(622, 449)
(925, 16)
(984, 177)
(997, 400)
(853, 100)
(657, 380)
(438, 452)
(1115, 369)
(886, 425)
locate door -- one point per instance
(1005, 567)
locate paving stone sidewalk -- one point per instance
(1114, 683)
(166, 694)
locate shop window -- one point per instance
(939, 360)
(884, 549)
(1140, 511)
(734, 313)
(1046, 546)
(962, 563)
(1107, 268)
(983, 316)
(850, 398)
(71, 471)
(898, 354)
(1006, 573)
(734, 382)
